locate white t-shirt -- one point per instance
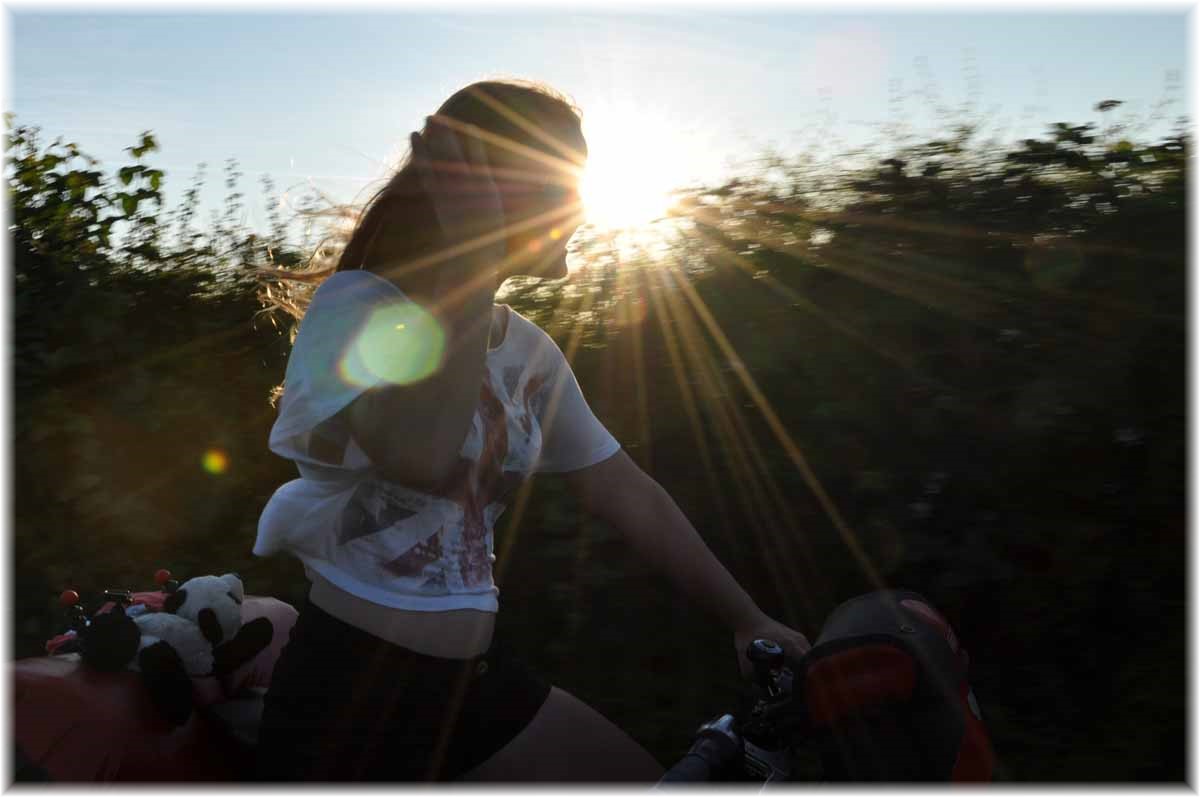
(379, 540)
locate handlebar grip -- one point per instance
(689, 769)
(711, 753)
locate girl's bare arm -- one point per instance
(622, 494)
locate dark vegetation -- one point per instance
(978, 351)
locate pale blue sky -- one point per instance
(330, 97)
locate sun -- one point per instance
(635, 161)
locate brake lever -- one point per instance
(776, 712)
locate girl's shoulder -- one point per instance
(525, 339)
(357, 285)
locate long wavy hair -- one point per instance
(529, 126)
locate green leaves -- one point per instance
(148, 144)
(153, 177)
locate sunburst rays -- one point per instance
(926, 281)
(754, 486)
(697, 346)
(778, 430)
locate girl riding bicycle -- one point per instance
(414, 406)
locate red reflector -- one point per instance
(857, 680)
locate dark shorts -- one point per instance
(345, 705)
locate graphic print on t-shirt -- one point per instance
(413, 563)
(473, 486)
(371, 510)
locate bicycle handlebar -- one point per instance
(715, 749)
(721, 749)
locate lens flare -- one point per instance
(400, 344)
(215, 461)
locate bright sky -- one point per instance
(327, 97)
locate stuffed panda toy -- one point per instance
(214, 605)
(198, 633)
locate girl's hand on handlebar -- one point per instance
(794, 643)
